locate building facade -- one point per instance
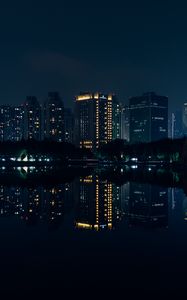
(93, 119)
(148, 118)
(54, 118)
(125, 123)
(69, 125)
(32, 119)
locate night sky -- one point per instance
(128, 47)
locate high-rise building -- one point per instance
(125, 126)
(184, 118)
(116, 119)
(32, 119)
(148, 118)
(68, 125)
(17, 124)
(5, 124)
(177, 124)
(11, 123)
(93, 119)
(54, 117)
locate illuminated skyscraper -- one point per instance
(93, 119)
(125, 126)
(184, 118)
(177, 130)
(148, 118)
(5, 124)
(32, 119)
(116, 119)
(17, 124)
(54, 117)
(11, 123)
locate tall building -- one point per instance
(17, 124)
(5, 124)
(32, 119)
(148, 118)
(125, 120)
(69, 125)
(116, 119)
(184, 118)
(93, 119)
(177, 124)
(11, 123)
(54, 117)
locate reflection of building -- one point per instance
(32, 119)
(54, 117)
(98, 204)
(148, 118)
(148, 205)
(36, 204)
(93, 119)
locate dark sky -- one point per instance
(127, 47)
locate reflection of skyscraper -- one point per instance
(148, 118)
(33, 206)
(32, 119)
(93, 119)
(54, 117)
(148, 205)
(53, 205)
(98, 204)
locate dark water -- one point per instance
(91, 235)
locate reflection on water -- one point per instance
(91, 233)
(96, 204)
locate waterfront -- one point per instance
(89, 234)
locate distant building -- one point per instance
(93, 119)
(148, 118)
(54, 117)
(125, 123)
(69, 125)
(177, 130)
(116, 119)
(5, 124)
(32, 119)
(17, 124)
(11, 123)
(184, 118)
